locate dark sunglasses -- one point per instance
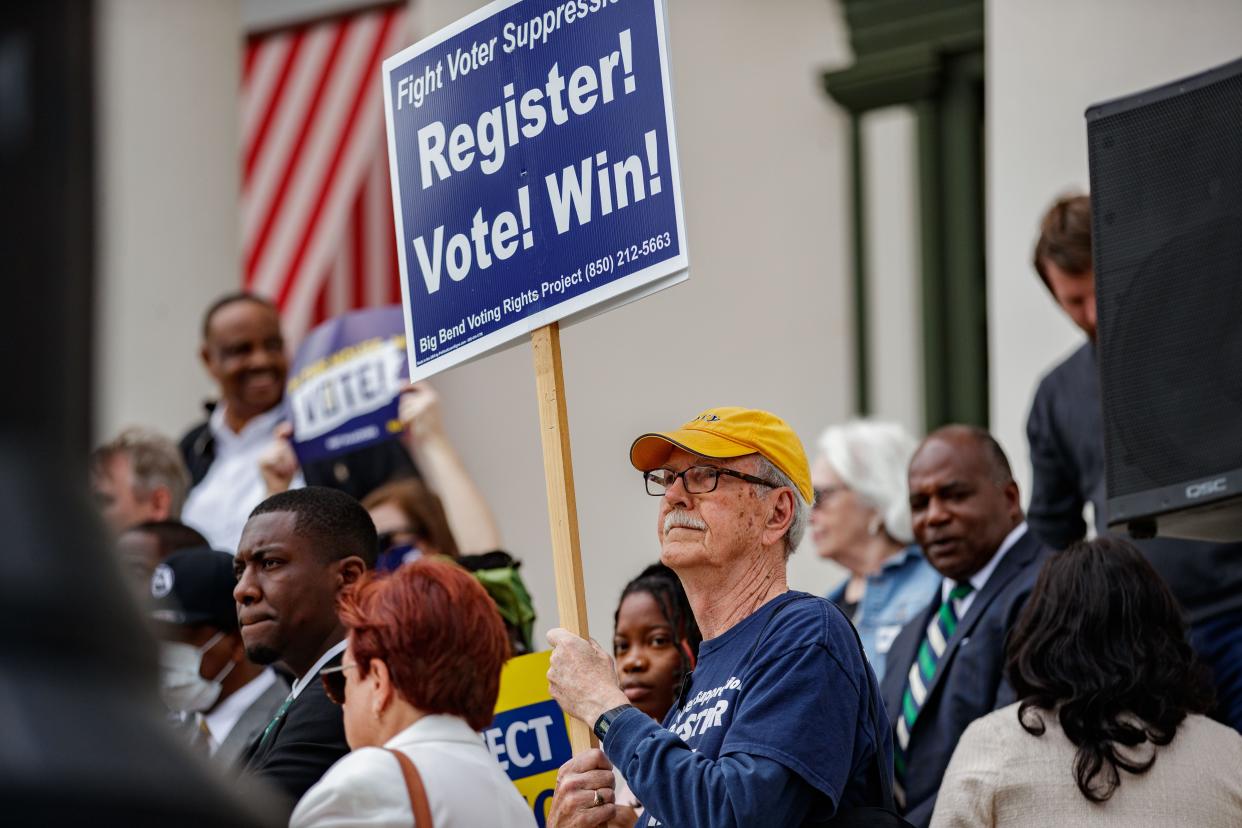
(333, 679)
(399, 537)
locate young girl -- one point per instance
(656, 643)
(656, 640)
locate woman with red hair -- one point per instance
(419, 678)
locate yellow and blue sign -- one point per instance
(529, 736)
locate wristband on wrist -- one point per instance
(605, 720)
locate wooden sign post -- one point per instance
(558, 468)
(494, 245)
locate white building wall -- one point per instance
(1046, 63)
(168, 74)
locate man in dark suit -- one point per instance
(946, 665)
(298, 549)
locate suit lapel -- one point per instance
(1015, 559)
(239, 741)
(261, 746)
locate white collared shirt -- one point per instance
(222, 501)
(220, 722)
(980, 578)
(313, 672)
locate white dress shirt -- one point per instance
(465, 786)
(221, 721)
(222, 501)
(980, 578)
(313, 673)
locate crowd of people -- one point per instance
(337, 629)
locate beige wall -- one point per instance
(763, 320)
(167, 75)
(1047, 62)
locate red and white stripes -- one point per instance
(316, 211)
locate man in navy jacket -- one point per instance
(945, 669)
(781, 721)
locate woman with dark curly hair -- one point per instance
(1110, 727)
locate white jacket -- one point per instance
(465, 786)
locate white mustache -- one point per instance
(679, 518)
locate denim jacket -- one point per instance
(897, 593)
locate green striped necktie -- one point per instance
(939, 633)
(280, 714)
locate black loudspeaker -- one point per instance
(1166, 202)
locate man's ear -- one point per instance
(161, 502)
(351, 569)
(1013, 499)
(205, 356)
(780, 516)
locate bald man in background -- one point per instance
(946, 667)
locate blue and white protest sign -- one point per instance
(534, 171)
(344, 386)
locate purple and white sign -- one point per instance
(346, 378)
(534, 171)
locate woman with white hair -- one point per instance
(861, 520)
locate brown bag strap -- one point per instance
(414, 784)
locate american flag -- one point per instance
(316, 210)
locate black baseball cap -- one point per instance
(195, 586)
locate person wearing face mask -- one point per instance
(215, 695)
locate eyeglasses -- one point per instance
(822, 495)
(333, 679)
(697, 479)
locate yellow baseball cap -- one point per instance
(728, 431)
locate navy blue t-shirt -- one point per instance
(777, 727)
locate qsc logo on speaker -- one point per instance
(1209, 487)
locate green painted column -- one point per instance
(927, 54)
(936, 386)
(962, 228)
(862, 310)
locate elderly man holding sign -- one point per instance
(781, 722)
